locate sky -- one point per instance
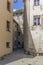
(18, 5)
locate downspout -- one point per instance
(26, 24)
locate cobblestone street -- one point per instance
(19, 58)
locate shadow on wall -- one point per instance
(28, 40)
(18, 35)
(31, 43)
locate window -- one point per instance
(7, 44)
(8, 5)
(36, 20)
(8, 26)
(36, 2)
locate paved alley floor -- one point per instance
(19, 58)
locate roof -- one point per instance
(18, 11)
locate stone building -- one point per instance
(18, 29)
(33, 26)
(6, 21)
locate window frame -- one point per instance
(38, 21)
(8, 26)
(36, 2)
(8, 6)
(7, 44)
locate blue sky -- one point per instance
(19, 5)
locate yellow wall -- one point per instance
(5, 36)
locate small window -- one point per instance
(8, 5)
(36, 20)
(36, 2)
(8, 45)
(8, 26)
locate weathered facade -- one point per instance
(33, 26)
(6, 20)
(18, 29)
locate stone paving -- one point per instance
(19, 58)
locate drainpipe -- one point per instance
(26, 24)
